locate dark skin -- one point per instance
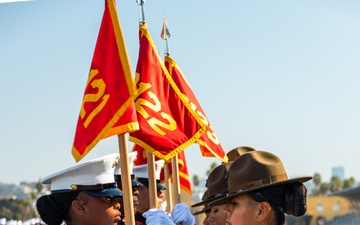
(87, 210)
(144, 201)
(135, 201)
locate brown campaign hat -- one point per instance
(253, 171)
(206, 207)
(238, 151)
(216, 184)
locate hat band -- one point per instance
(118, 177)
(221, 192)
(96, 187)
(261, 182)
(145, 181)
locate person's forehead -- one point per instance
(142, 189)
(217, 207)
(241, 198)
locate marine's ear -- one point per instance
(264, 209)
(77, 205)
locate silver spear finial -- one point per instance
(165, 34)
(141, 3)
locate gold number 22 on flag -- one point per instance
(154, 123)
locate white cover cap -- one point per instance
(132, 157)
(117, 172)
(141, 171)
(141, 174)
(3, 221)
(95, 176)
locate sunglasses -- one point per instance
(110, 200)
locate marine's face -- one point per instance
(96, 210)
(135, 198)
(144, 201)
(206, 219)
(217, 215)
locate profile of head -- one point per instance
(205, 208)
(216, 184)
(141, 175)
(217, 187)
(134, 183)
(80, 191)
(259, 179)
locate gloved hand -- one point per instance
(157, 216)
(181, 214)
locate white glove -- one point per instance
(157, 216)
(181, 214)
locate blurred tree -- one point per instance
(16, 209)
(349, 182)
(196, 180)
(39, 186)
(324, 188)
(317, 179)
(335, 183)
(315, 192)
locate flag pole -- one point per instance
(122, 143)
(176, 179)
(168, 194)
(150, 157)
(152, 180)
(126, 180)
(165, 35)
(142, 13)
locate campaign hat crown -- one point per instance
(216, 184)
(253, 171)
(206, 207)
(95, 177)
(238, 151)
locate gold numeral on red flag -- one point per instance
(154, 105)
(107, 107)
(100, 85)
(155, 123)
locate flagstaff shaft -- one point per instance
(167, 49)
(141, 3)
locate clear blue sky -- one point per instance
(281, 76)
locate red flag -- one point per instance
(209, 143)
(107, 107)
(185, 182)
(141, 157)
(167, 122)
